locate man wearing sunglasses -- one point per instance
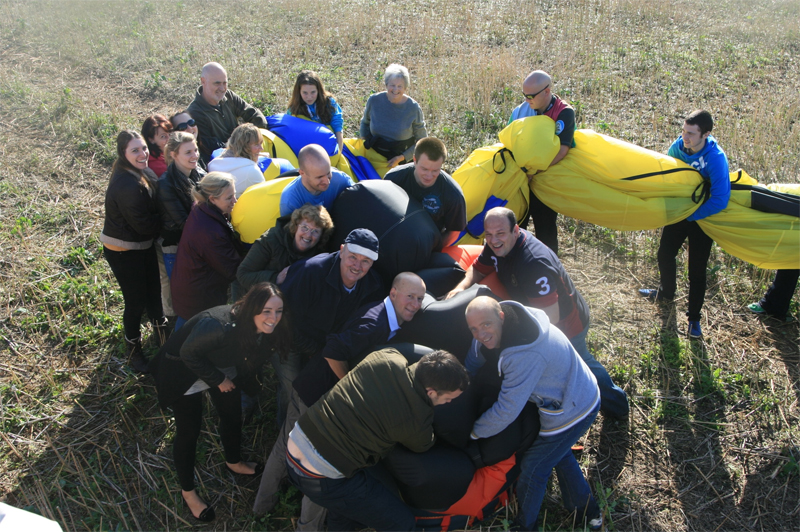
(539, 100)
(217, 110)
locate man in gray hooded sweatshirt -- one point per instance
(538, 364)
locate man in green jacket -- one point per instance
(381, 402)
(217, 110)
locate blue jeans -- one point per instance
(613, 401)
(361, 498)
(547, 453)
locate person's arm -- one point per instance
(449, 238)
(562, 152)
(520, 377)
(221, 255)
(474, 360)
(337, 123)
(566, 121)
(339, 367)
(418, 441)
(542, 293)
(137, 208)
(172, 210)
(208, 334)
(246, 112)
(470, 278)
(339, 140)
(720, 193)
(254, 267)
(419, 131)
(364, 130)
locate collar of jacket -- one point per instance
(198, 97)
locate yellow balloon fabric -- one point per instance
(258, 209)
(356, 147)
(276, 147)
(615, 184)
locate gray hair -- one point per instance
(396, 71)
(212, 185)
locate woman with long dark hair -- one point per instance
(220, 350)
(131, 224)
(310, 99)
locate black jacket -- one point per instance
(216, 123)
(206, 342)
(131, 213)
(175, 201)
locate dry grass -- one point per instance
(712, 443)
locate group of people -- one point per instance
(319, 316)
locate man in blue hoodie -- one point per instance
(697, 148)
(537, 364)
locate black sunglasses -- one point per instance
(535, 94)
(182, 127)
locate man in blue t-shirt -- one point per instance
(318, 184)
(697, 148)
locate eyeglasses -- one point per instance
(307, 230)
(535, 94)
(183, 126)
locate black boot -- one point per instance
(136, 358)
(161, 330)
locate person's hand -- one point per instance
(394, 161)
(227, 385)
(530, 175)
(453, 292)
(282, 276)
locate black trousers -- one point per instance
(672, 239)
(188, 412)
(136, 271)
(779, 295)
(544, 222)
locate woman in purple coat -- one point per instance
(209, 252)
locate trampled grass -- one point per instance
(712, 442)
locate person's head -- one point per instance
(442, 376)
(310, 225)
(181, 149)
(183, 121)
(132, 152)
(245, 141)
(309, 90)
(314, 168)
(214, 80)
(485, 321)
(218, 189)
(406, 295)
(429, 156)
(537, 89)
(397, 80)
(696, 129)
(500, 230)
(356, 255)
(261, 311)
(156, 130)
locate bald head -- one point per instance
(406, 295)
(484, 304)
(537, 88)
(501, 213)
(214, 80)
(315, 168)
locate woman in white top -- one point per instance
(240, 158)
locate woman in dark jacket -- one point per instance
(131, 224)
(209, 251)
(175, 191)
(296, 237)
(219, 350)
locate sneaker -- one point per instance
(756, 308)
(694, 329)
(596, 523)
(653, 294)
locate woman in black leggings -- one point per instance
(131, 224)
(219, 350)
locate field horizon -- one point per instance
(712, 439)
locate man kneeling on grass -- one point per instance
(381, 402)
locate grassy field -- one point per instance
(712, 441)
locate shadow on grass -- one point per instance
(108, 464)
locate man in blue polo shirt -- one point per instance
(318, 184)
(697, 148)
